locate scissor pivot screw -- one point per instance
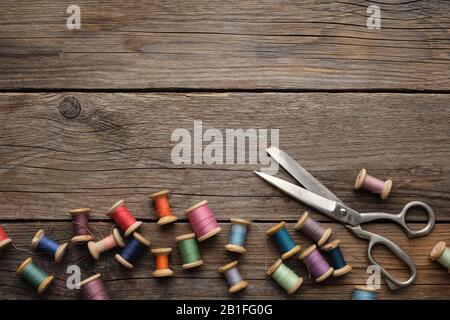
(342, 211)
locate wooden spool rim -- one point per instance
(387, 189)
(437, 250)
(162, 273)
(307, 251)
(75, 212)
(274, 267)
(360, 178)
(133, 228)
(5, 243)
(195, 206)
(301, 221)
(238, 286)
(228, 266)
(291, 252)
(275, 228)
(330, 246)
(118, 238)
(92, 278)
(241, 221)
(296, 286)
(60, 252)
(326, 235)
(114, 206)
(139, 237)
(167, 219)
(210, 234)
(45, 284)
(161, 251)
(23, 265)
(325, 275)
(185, 237)
(365, 288)
(37, 237)
(82, 238)
(159, 193)
(234, 248)
(342, 271)
(93, 250)
(192, 264)
(123, 262)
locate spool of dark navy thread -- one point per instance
(336, 259)
(132, 250)
(43, 243)
(283, 240)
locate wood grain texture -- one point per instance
(432, 281)
(120, 146)
(306, 45)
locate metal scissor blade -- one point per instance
(314, 200)
(300, 174)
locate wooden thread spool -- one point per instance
(124, 218)
(313, 229)
(441, 253)
(316, 264)
(93, 288)
(285, 277)
(238, 233)
(34, 275)
(364, 293)
(283, 240)
(161, 202)
(203, 221)
(42, 243)
(5, 240)
(372, 184)
(112, 241)
(132, 250)
(162, 262)
(189, 251)
(233, 277)
(336, 258)
(80, 225)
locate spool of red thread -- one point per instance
(162, 206)
(124, 218)
(203, 221)
(5, 240)
(372, 184)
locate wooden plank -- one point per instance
(432, 281)
(119, 146)
(247, 45)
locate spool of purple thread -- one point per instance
(93, 288)
(313, 229)
(372, 184)
(80, 222)
(316, 263)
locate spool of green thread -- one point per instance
(34, 275)
(441, 254)
(285, 277)
(190, 254)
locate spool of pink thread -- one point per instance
(372, 184)
(203, 221)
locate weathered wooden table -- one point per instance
(343, 97)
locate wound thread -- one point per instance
(285, 276)
(80, 224)
(162, 206)
(93, 288)
(132, 250)
(336, 259)
(43, 243)
(189, 251)
(35, 276)
(233, 277)
(372, 184)
(283, 240)
(203, 221)
(124, 218)
(316, 264)
(313, 229)
(239, 228)
(162, 262)
(112, 241)
(5, 240)
(364, 293)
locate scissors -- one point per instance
(320, 198)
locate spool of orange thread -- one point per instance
(162, 262)
(372, 184)
(5, 240)
(162, 206)
(124, 218)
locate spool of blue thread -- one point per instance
(336, 258)
(283, 240)
(364, 293)
(133, 249)
(43, 243)
(239, 229)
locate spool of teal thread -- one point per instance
(34, 275)
(364, 293)
(283, 240)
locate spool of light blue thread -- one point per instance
(283, 240)
(43, 243)
(238, 234)
(364, 293)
